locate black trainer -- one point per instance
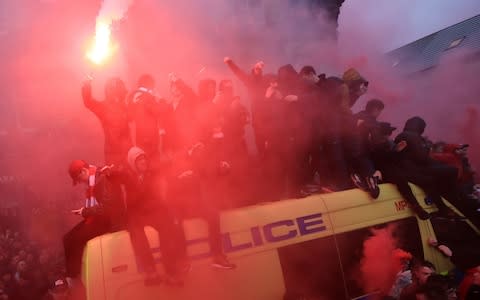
(373, 189)
(153, 279)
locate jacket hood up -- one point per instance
(132, 156)
(415, 124)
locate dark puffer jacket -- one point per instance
(417, 150)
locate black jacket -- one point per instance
(143, 193)
(256, 85)
(147, 112)
(417, 151)
(114, 120)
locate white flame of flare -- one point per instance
(110, 11)
(102, 47)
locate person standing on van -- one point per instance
(256, 86)
(146, 207)
(102, 207)
(365, 175)
(145, 114)
(203, 169)
(112, 114)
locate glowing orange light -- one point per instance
(102, 47)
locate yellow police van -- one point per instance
(310, 246)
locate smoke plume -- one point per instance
(381, 261)
(112, 10)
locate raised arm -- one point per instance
(93, 105)
(241, 75)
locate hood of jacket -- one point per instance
(287, 75)
(416, 125)
(132, 156)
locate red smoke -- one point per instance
(45, 65)
(378, 267)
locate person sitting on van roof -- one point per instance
(384, 155)
(415, 160)
(102, 209)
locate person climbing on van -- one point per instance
(366, 120)
(147, 208)
(384, 154)
(101, 213)
(416, 161)
(363, 172)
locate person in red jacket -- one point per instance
(112, 113)
(455, 155)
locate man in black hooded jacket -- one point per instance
(416, 161)
(384, 154)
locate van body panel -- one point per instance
(251, 238)
(259, 277)
(93, 276)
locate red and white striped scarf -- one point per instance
(90, 201)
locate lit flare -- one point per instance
(102, 47)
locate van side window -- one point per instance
(312, 269)
(369, 249)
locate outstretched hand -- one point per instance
(185, 174)
(195, 149)
(400, 146)
(172, 77)
(291, 98)
(259, 65)
(227, 59)
(78, 211)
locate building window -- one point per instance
(455, 43)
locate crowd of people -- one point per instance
(417, 279)
(168, 159)
(29, 271)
